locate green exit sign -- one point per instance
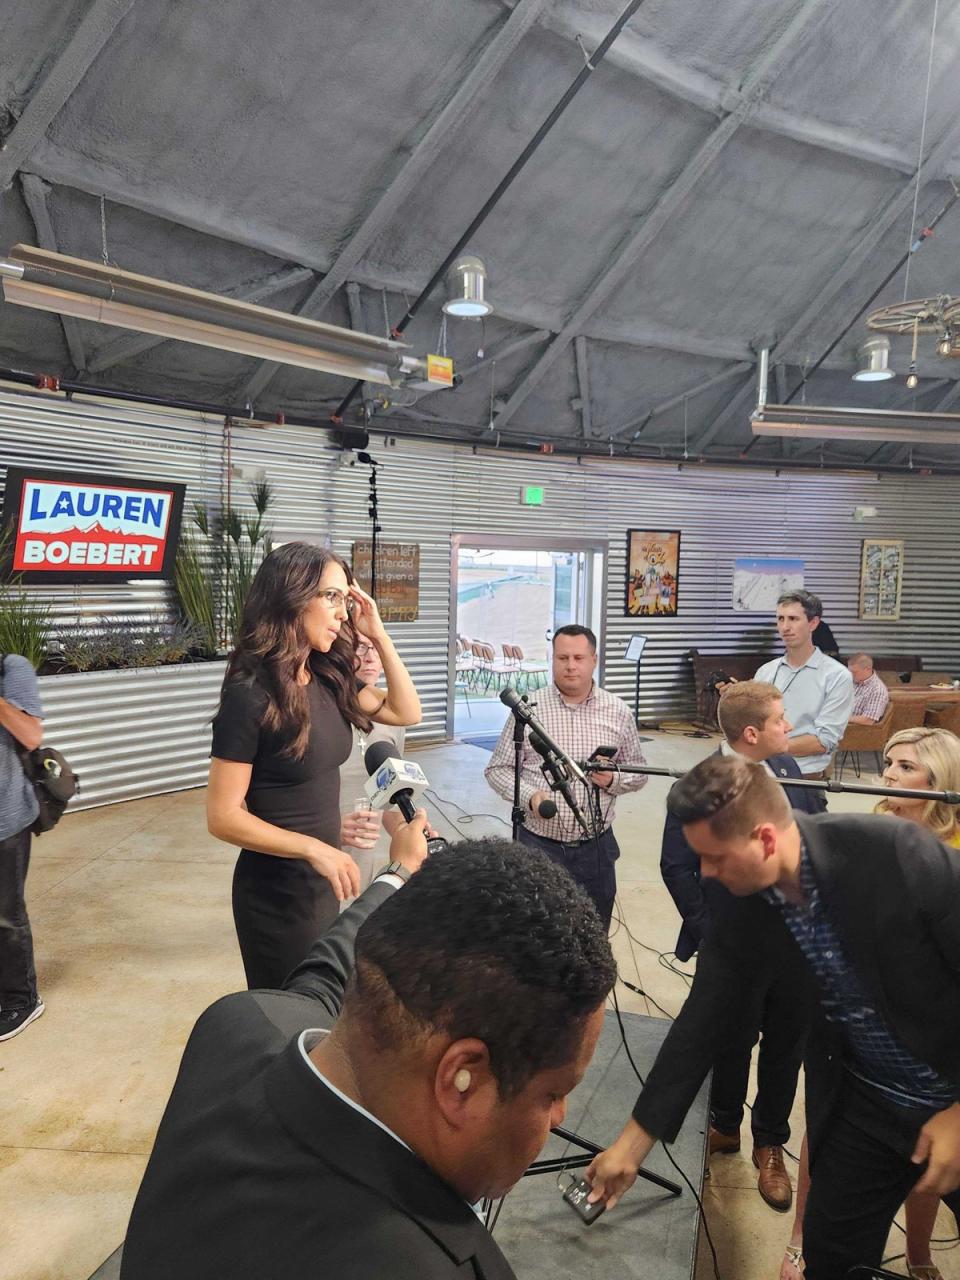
(531, 495)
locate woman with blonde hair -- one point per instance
(919, 759)
(924, 759)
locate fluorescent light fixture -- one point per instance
(466, 281)
(874, 356)
(853, 424)
(90, 291)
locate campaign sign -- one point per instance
(64, 526)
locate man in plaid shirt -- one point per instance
(870, 695)
(580, 717)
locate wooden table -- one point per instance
(941, 707)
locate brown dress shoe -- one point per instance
(774, 1182)
(727, 1144)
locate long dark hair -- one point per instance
(271, 646)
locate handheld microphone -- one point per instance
(558, 778)
(518, 705)
(395, 781)
(547, 809)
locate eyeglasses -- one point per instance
(337, 600)
(363, 649)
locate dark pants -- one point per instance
(18, 979)
(592, 864)
(280, 908)
(860, 1175)
(780, 1020)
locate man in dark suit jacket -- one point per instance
(755, 726)
(302, 1140)
(872, 904)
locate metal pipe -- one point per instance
(513, 444)
(763, 377)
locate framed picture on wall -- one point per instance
(653, 573)
(881, 577)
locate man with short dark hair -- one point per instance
(303, 1139)
(580, 717)
(752, 717)
(871, 697)
(817, 691)
(872, 905)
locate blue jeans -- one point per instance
(18, 979)
(592, 864)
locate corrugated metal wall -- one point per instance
(133, 733)
(429, 492)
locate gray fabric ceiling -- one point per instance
(733, 174)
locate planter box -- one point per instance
(133, 733)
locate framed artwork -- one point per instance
(881, 577)
(653, 573)
(760, 581)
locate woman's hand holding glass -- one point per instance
(361, 827)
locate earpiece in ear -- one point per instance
(461, 1081)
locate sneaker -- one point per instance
(12, 1021)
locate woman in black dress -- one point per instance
(290, 696)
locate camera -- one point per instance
(714, 680)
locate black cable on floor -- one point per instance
(666, 1149)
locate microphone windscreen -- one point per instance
(547, 809)
(509, 696)
(376, 754)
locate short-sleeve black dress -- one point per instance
(281, 905)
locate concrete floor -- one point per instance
(130, 907)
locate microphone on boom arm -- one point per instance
(518, 704)
(558, 779)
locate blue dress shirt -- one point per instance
(818, 699)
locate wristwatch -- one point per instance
(395, 869)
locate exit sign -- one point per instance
(531, 495)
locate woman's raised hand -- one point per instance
(366, 616)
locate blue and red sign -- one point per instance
(70, 527)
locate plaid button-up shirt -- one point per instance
(578, 728)
(870, 697)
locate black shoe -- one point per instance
(12, 1021)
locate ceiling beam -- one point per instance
(130, 345)
(450, 119)
(745, 395)
(641, 420)
(35, 192)
(644, 59)
(848, 263)
(61, 168)
(852, 253)
(583, 382)
(503, 352)
(96, 27)
(755, 86)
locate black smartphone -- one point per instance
(605, 753)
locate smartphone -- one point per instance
(605, 753)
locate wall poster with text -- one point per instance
(653, 573)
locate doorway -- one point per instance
(508, 596)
